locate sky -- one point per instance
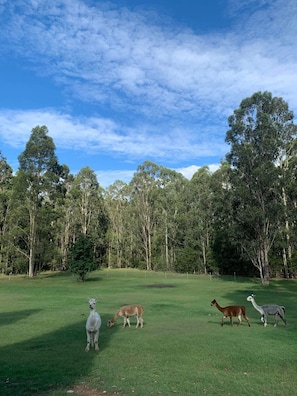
(121, 82)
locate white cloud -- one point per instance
(165, 92)
(96, 135)
(115, 54)
(189, 171)
(106, 178)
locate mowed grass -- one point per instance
(181, 350)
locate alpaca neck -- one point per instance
(257, 307)
(115, 317)
(219, 308)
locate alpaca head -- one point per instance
(213, 302)
(110, 323)
(250, 298)
(92, 303)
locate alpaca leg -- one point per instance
(125, 321)
(239, 320)
(222, 323)
(128, 321)
(88, 342)
(265, 320)
(275, 320)
(141, 322)
(137, 324)
(231, 320)
(96, 337)
(247, 319)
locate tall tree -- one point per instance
(200, 217)
(259, 132)
(144, 188)
(117, 198)
(38, 177)
(5, 207)
(89, 210)
(155, 201)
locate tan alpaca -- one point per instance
(127, 311)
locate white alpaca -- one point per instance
(268, 309)
(127, 311)
(93, 325)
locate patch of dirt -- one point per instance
(85, 390)
(159, 286)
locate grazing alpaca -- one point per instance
(230, 311)
(93, 326)
(269, 309)
(127, 311)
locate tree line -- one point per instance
(239, 219)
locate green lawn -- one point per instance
(181, 350)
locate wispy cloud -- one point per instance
(158, 91)
(102, 135)
(110, 54)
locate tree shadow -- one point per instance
(52, 361)
(8, 318)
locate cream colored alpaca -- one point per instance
(93, 326)
(126, 312)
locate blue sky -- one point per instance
(121, 82)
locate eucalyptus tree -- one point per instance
(65, 224)
(36, 181)
(143, 193)
(225, 251)
(89, 213)
(288, 168)
(155, 203)
(260, 130)
(169, 209)
(198, 229)
(117, 199)
(6, 177)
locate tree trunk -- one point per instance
(166, 247)
(32, 238)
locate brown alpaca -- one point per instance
(127, 311)
(230, 311)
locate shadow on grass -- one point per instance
(50, 362)
(279, 291)
(8, 318)
(67, 275)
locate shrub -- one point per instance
(81, 259)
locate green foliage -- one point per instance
(241, 218)
(187, 260)
(260, 132)
(81, 257)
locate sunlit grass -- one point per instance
(182, 348)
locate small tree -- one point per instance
(81, 257)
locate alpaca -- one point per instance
(93, 325)
(269, 309)
(127, 311)
(230, 311)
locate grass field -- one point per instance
(181, 350)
